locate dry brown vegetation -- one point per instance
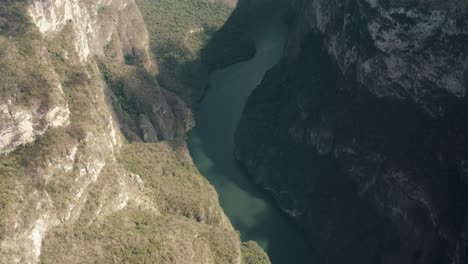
(184, 222)
(252, 253)
(174, 181)
(187, 225)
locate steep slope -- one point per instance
(179, 31)
(360, 132)
(79, 85)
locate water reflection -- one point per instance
(212, 143)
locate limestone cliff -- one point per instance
(360, 131)
(79, 90)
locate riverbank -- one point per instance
(211, 144)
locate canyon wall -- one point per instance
(360, 132)
(93, 164)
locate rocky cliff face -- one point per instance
(416, 47)
(359, 132)
(78, 84)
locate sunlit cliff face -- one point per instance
(61, 143)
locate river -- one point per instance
(211, 144)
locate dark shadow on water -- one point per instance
(211, 144)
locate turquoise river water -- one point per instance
(211, 144)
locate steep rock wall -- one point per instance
(418, 48)
(359, 132)
(77, 79)
(94, 24)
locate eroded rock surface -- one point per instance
(78, 86)
(359, 133)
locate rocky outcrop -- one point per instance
(417, 48)
(359, 133)
(76, 80)
(28, 107)
(22, 125)
(53, 84)
(114, 32)
(94, 24)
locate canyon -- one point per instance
(212, 131)
(359, 131)
(94, 165)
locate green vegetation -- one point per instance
(129, 236)
(133, 90)
(73, 76)
(252, 253)
(13, 21)
(231, 43)
(26, 78)
(179, 29)
(63, 54)
(16, 167)
(24, 73)
(174, 181)
(10, 167)
(136, 236)
(127, 94)
(187, 226)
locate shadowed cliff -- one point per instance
(359, 132)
